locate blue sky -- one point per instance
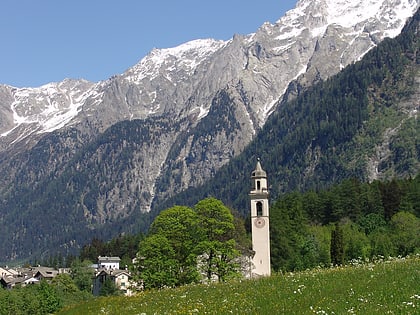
(49, 40)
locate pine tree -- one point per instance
(337, 245)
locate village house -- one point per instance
(11, 282)
(45, 273)
(11, 278)
(121, 279)
(105, 262)
(109, 269)
(8, 272)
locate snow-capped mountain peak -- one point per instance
(187, 56)
(348, 14)
(50, 106)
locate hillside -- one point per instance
(373, 288)
(361, 123)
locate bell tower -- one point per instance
(260, 222)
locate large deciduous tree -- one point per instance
(82, 274)
(156, 265)
(174, 235)
(183, 242)
(405, 229)
(217, 247)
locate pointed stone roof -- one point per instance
(258, 172)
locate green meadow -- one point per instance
(381, 287)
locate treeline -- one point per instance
(349, 221)
(380, 218)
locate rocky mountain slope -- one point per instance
(359, 125)
(77, 157)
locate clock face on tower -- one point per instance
(259, 222)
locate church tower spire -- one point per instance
(260, 222)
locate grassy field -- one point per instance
(384, 287)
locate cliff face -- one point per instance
(99, 154)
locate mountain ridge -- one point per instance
(395, 17)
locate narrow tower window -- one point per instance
(259, 209)
(258, 185)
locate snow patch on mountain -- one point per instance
(346, 13)
(186, 56)
(349, 13)
(51, 106)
